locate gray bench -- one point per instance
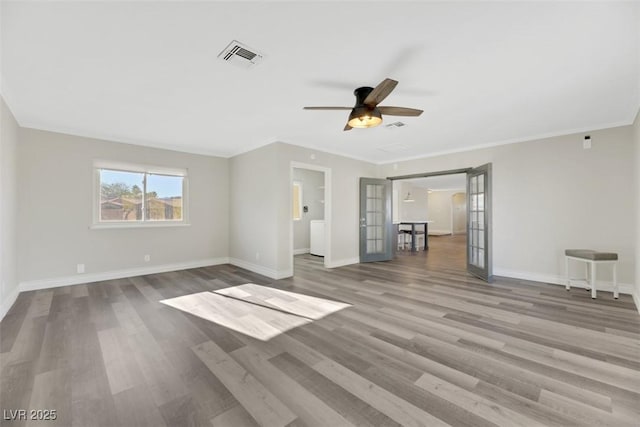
(591, 258)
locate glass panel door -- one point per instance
(479, 222)
(375, 220)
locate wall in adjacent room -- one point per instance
(56, 197)
(440, 211)
(8, 208)
(459, 200)
(411, 211)
(313, 198)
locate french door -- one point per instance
(376, 236)
(479, 261)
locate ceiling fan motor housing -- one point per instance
(361, 94)
(362, 115)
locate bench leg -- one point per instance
(593, 280)
(567, 285)
(615, 282)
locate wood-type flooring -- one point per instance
(422, 343)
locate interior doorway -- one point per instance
(310, 213)
(441, 203)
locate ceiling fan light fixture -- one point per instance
(363, 117)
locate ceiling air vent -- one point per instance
(240, 54)
(395, 125)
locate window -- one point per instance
(297, 200)
(139, 195)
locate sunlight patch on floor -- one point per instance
(257, 311)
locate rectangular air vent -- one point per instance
(240, 54)
(395, 125)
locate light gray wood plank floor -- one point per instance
(422, 343)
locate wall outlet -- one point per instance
(147, 258)
(80, 268)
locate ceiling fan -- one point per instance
(366, 113)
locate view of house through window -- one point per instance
(140, 196)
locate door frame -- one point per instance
(327, 209)
(452, 172)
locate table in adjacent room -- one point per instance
(413, 224)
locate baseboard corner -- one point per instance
(8, 302)
(343, 262)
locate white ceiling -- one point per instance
(440, 182)
(484, 73)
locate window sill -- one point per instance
(105, 226)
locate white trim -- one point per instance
(225, 154)
(8, 302)
(138, 168)
(343, 262)
(439, 232)
(137, 224)
(327, 211)
(508, 142)
(260, 269)
(301, 251)
(636, 300)
(33, 285)
(624, 288)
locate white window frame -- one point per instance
(138, 168)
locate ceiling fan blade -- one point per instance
(399, 111)
(328, 108)
(347, 127)
(380, 92)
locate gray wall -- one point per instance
(549, 195)
(260, 226)
(253, 179)
(440, 211)
(636, 139)
(55, 209)
(459, 206)
(8, 208)
(344, 194)
(313, 197)
(411, 211)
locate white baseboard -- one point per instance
(636, 300)
(343, 262)
(260, 269)
(7, 302)
(33, 285)
(301, 251)
(439, 232)
(623, 288)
